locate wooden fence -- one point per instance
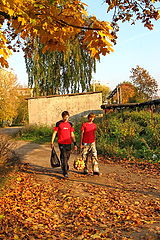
(153, 106)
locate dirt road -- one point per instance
(143, 185)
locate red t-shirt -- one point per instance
(64, 130)
(89, 132)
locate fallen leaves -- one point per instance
(33, 210)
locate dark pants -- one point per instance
(65, 151)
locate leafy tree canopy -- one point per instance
(54, 22)
(57, 21)
(145, 84)
(58, 73)
(128, 91)
(8, 96)
(99, 87)
(145, 11)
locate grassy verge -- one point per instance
(131, 135)
(36, 133)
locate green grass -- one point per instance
(133, 135)
(36, 133)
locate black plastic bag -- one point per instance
(54, 160)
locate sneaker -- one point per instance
(85, 171)
(66, 175)
(96, 173)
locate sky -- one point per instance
(136, 45)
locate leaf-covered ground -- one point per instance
(122, 203)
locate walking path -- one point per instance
(130, 181)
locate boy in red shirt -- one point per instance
(65, 131)
(88, 131)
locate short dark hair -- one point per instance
(65, 113)
(92, 115)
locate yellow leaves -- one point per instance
(16, 237)
(96, 236)
(22, 20)
(98, 44)
(94, 53)
(32, 21)
(45, 25)
(29, 219)
(65, 206)
(84, 12)
(1, 217)
(102, 213)
(105, 35)
(55, 27)
(4, 51)
(8, 93)
(10, 12)
(35, 31)
(19, 179)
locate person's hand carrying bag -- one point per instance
(54, 160)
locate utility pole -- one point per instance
(94, 85)
(119, 94)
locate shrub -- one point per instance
(128, 135)
(7, 146)
(131, 134)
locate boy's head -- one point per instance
(65, 115)
(91, 116)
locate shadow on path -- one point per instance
(35, 159)
(57, 173)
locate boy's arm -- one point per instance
(81, 145)
(53, 137)
(74, 140)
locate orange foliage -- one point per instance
(8, 95)
(54, 23)
(34, 210)
(128, 91)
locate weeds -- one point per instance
(36, 133)
(8, 158)
(133, 135)
(7, 146)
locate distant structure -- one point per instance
(117, 91)
(25, 92)
(152, 106)
(47, 110)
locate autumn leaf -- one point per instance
(53, 209)
(54, 26)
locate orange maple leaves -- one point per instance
(57, 210)
(56, 23)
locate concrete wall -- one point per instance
(47, 110)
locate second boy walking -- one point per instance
(88, 145)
